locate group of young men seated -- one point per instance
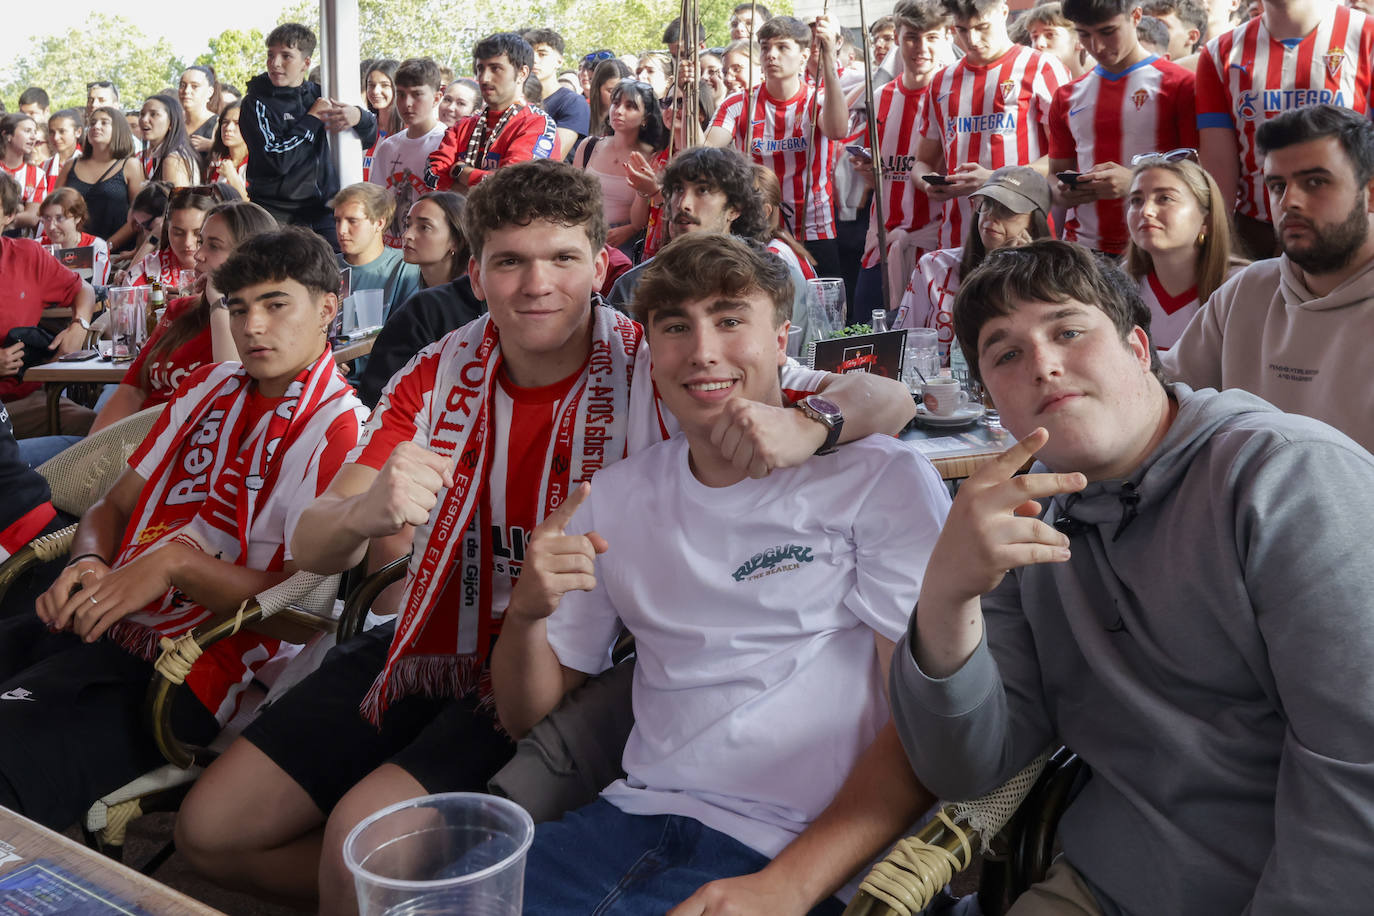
(824, 642)
(1176, 591)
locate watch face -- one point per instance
(822, 405)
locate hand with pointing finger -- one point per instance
(556, 563)
(994, 527)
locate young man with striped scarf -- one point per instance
(199, 522)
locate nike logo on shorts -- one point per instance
(18, 693)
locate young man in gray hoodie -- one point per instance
(1295, 329)
(1191, 612)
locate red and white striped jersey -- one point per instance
(1169, 315)
(899, 112)
(929, 298)
(1247, 76)
(994, 115)
(780, 135)
(1112, 117)
(33, 181)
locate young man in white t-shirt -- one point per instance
(762, 766)
(398, 162)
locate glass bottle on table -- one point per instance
(879, 321)
(157, 301)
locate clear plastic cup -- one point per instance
(922, 358)
(459, 852)
(827, 302)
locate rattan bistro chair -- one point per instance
(295, 610)
(1013, 826)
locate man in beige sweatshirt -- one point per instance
(1296, 329)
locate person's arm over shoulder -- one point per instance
(1303, 532)
(1198, 356)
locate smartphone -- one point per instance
(78, 356)
(934, 178)
(860, 152)
(1069, 178)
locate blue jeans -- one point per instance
(599, 861)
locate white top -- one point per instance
(754, 609)
(398, 163)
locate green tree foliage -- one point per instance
(102, 47)
(236, 55)
(447, 29)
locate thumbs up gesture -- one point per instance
(556, 563)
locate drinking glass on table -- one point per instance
(921, 360)
(825, 296)
(458, 852)
(128, 321)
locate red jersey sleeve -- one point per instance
(1061, 138)
(402, 413)
(439, 165)
(1049, 76)
(1213, 103)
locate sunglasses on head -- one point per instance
(1173, 155)
(213, 191)
(597, 57)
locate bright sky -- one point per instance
(187, 26)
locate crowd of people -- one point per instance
(1146, 228)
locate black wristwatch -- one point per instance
(825, 412)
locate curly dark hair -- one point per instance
(542, 189)
(727, 169)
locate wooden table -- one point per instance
(957, 451)
(56, 376)
(37, 852)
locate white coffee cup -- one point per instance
(943, 397)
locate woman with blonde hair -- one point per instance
(1180, 249)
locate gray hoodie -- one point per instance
(1209, 651)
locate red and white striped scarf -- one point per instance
(445, 654)
(215, 459)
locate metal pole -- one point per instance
(878, 204)
(339, 80)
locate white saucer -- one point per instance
(961, 417)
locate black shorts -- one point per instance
(316, 733)
(71, 714)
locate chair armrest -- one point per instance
(919, 865)
(357, 604)
(41, 549)
(268, 613)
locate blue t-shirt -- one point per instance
(569, 110)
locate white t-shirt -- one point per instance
(398, 163)
(753, 609)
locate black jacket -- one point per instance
(420, 321)
(289, 167)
